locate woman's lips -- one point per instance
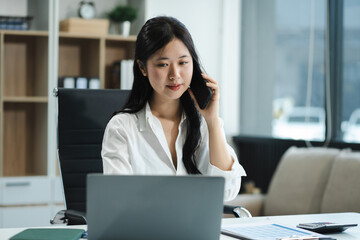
(174, 87)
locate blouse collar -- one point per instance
(145, 116)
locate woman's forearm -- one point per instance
(219, 155)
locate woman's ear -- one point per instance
(142, 67)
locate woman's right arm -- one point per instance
(114, 152)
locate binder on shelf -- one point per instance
(126, 74)
(81, 82)
(66, 82)
(94, 83)
(115, 83)
(15, 22)
(69, 82)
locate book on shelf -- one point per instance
(123, 77)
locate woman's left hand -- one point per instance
(211, 111)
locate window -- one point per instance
(350, 125)
(283, 70)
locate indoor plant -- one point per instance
(123, 16)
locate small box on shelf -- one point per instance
(86, 26)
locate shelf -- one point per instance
(25, 139)
(121, 38)
(25, 33)
(79, 57)
(26, 99)
(93, 36)
(79, 35)
(25, 64)
(88, 55)
(24, 88)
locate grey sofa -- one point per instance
(309, 180)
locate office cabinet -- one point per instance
(36, 189)
(24, 103)
(31, 62)
(25, 216)
(26, 201)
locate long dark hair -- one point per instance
(154, 35)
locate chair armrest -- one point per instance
(70, 217)
(252, 202)
(237, 211)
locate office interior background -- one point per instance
(288, 70)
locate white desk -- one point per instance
(292, 220)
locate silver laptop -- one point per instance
(154, 207)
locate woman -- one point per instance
(159, 130)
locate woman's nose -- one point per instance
(174, 73)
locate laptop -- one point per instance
(134, 207)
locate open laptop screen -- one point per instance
(154, 207)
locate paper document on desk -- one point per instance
(266, 231)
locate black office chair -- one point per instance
(82, 118)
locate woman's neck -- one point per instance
(170, 110)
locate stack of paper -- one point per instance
(267, 231)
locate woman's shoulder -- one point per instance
(122, 119)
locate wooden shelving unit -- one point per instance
(23, 98)
(92, 56)
(24, 89)
(31, 62)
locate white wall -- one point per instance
(15, 8)
(215, 27)
(69, 8)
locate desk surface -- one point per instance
(292, 220)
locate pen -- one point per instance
(306, 238)
(84, 235)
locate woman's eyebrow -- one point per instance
(162, 58)
(166, 58)
(184, 56)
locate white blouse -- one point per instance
(136, 144)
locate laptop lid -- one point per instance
(154, 207)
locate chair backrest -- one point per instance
(82, 118)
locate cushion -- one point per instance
(299, 181)
(342, 194)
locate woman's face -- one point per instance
(169, 70)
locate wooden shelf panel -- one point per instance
(25, 65)
(24, 33)
(114, 37)
(118, 50)
(25, 139)
(79, 35)
(121, 38)
(79, 57)
(26, 99)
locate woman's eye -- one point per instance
(162, 65)
(183, 63)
